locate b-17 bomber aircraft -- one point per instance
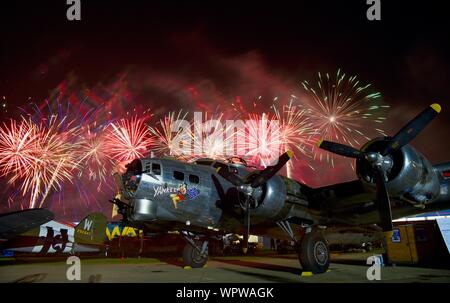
(209, 197)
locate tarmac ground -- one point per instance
(344, 268)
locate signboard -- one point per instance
(433, 214)
(7, 253)
(444, 226)
(117, 229)
(396, 236)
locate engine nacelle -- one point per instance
(272, 199)
(410, 175)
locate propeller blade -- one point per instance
(413, 128)
(219, 188)
(270, 171)
(229, 176)
(246, 226)
(383, 202)
(339, 149)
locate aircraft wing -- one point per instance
(353, 203)
(341, 197)
(16, 223)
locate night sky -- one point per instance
(228, 48)
(278, 43)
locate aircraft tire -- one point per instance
(192, 258)
(314, 253)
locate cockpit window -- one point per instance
(134, 168)
(178, 175)
(194, 179)
(156, 169)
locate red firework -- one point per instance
(17, 144)
(40, 156)
(128, 139)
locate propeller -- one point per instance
(413, 128)
(382, 199)
(267, 173)
(248, 185)
(382, 161)
(219, 188)
(340, 149)
(229, 176)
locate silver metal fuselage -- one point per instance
(169, 194)
(185, 193)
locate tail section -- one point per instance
(91, 230)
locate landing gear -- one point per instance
(313, 251)
(195, 252)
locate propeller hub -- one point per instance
(377, 160)
(246, 189)
(255, 194)
(374, 158)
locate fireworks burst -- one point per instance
(260, 142)
(287, 127)
(214, 139)
(170, 133)
(55, 161)
(240, 107)
(17, 143)
(343, 109)
(39, 155)
(297, 132)
(93, 154)
(83, 142)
